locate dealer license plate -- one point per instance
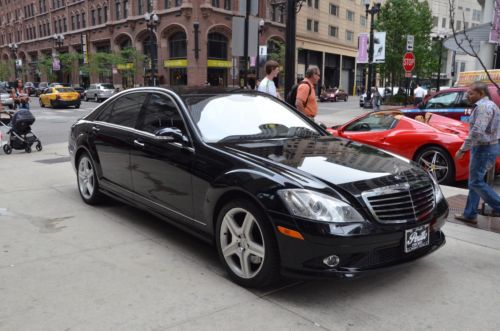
(416, 238)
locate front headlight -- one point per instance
(319, 207)
(437, 190)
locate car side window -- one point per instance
(161, 112)
(375, 122)
(464, 102)
(124, 110)
(444, 100)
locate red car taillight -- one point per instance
(58, 97)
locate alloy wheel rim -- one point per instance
(86, 179)
(242, 243)
(435, 163)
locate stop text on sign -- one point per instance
(408, 61)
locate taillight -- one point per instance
(58, 97)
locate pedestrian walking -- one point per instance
(418, 95)
(267, 84)
(482, 141)
(376, 99)
(306, 93)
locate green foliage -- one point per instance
(69, 61)
(400, 18)
(44, 65)
(5, 70)
(129, 55)
(101, 63)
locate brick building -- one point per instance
(107, 26)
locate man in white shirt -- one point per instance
(419, 94)
(267, 84)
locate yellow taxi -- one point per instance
(60, 96)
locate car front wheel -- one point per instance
(246, 244)
(88, 185)
(438, 163)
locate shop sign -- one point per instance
(125, 66)
(465, 78)
(179, 63)
(219, 64)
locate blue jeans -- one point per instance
(481, 159)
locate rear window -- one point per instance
(65, 89)
(107, 86)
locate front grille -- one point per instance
(401, 203)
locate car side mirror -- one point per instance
(170, 135)
(322, 125)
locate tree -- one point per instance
(44, 65)
(69, 61)
(101, 64)
(127, 61)
(5, 70)
(399, 18)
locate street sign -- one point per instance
(56, 65)
(262, 50)
(409, 43)
(408, 61)
(408, 74)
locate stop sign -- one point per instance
(408, 61)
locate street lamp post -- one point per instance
(375, 9)
(441, 39)
(13, 49)
(152, 21)
(59, 42)
(261, 29)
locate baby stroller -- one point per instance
(19, 132)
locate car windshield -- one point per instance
(65, 89)
(107, 86)
(3, 91)
(236, 117)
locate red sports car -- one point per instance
(431, 142)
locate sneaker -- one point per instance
(462, 218)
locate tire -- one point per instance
(96, 98)
(246, 245)
(52, 105)
(27, 149)
(7, 149)
(11, 107)
(85, 98)
(88, 185)
(77, 106)
(438, 163)
(39, 146)
(346, 98)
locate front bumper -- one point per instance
(361, 248)
(65, 103)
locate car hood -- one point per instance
(336, 161)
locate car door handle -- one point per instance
(95, 129)
(139, 143)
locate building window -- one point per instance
(362, 20)
(476, 15)
(78, 21)
(316, 26)
(99, 16)
(316, 4)
(105, 14)
(227, 4)
(217, 46)
(309, 25)
(65, 24)
(309, 3)
(350, 15)
(139, 7)
(215, 3)
(125, 8)
(177, 45)
(466, 25)
(443, 22)
(118, 9)
(60, 25)
(73, 23)
(435, 21)
(334, 31)
(84, 24)
(150, 5)
(459, 25)
(92, 14)
(334, 10)
(349, 35)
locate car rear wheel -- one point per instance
(246, 244)
(96, 98)
(438, 163)
(88, 185)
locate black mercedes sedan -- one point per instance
(272, 190)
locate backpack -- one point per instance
(291, 98)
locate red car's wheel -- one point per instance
(438, 163)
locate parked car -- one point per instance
(99, 91)
(333, 95)
(55, 84)
(273, 191)
(80, 91)
(450, 102)
(60, 96)
(431, 144)
(384, 93)
(42, 86)
(30, 88)
(6, 99)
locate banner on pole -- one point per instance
(362, 48)
(379, 47)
